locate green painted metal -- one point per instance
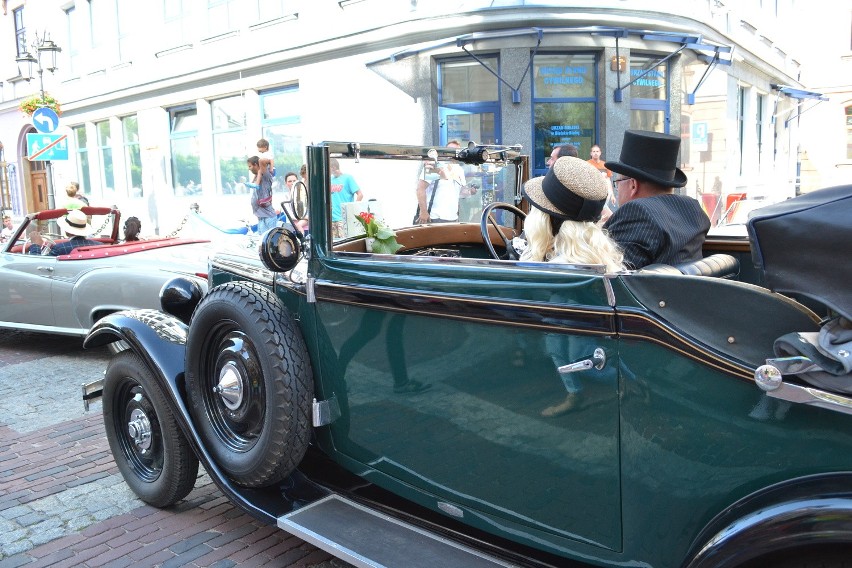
(667, 436)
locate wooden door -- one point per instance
(38, 181)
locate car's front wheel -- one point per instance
(250, 383)
(147, 444)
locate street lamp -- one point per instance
(45, 56)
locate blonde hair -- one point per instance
(577, 242)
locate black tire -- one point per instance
(258, 430)
(824, 556)
(160, 468)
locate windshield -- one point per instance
(397, 188)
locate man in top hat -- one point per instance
(76, 225)
(652, 223)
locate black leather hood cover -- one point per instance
(804, 246)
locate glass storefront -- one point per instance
(564, 104)
(186, 167)
(229, 144)
(469, 95)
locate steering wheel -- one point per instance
(45, 247)
(511, 253)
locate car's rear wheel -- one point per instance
(147, 444)
(825, 556)
(250, 383)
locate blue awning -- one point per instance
(799, 93)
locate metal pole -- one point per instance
(53, 228)
(51, 204)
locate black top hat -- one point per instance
(650, 156)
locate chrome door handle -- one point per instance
(597, 361)
(45, 268)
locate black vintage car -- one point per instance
(397, 401)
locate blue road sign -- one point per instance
(45, 120)
(47, 147)
(699, 136)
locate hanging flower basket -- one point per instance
(29, 105)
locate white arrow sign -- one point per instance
(45, 120)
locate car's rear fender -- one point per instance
(160, 340)
(803, 514)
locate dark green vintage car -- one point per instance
(407, 407)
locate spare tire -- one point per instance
(250, 383)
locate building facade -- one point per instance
(162, 102)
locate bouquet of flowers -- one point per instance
(380, 238)
(29, 105)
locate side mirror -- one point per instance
(279, 250)
(300, 200)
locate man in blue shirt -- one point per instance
(343, 190)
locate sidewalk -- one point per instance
(63, 501)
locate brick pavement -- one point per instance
(63, 502)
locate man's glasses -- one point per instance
(621, 179)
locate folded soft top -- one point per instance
(804, 246)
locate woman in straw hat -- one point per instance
(562, 227)
(562, 223)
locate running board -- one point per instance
(369, 539)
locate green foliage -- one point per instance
(30, 104)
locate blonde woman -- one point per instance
(562, 223)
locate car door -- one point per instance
(25, 290)
(447, 372)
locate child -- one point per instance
(6, 232)
(265, 156)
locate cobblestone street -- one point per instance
(63, 501)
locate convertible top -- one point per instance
(803, 245)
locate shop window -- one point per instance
(469, 101)
(107, 170)
(282, 128)
(849, 132)
(81, 142)
(132, 155)
(186, 168)
(649, 94)
(760, 126)
(229, 143)
(741, 118)
(564, 104)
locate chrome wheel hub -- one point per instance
(139, 429)
(230, 387)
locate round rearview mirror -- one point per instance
(279, 250)
(300, 200)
